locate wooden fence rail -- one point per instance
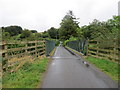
(16, 52)
(110, 52)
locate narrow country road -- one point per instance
(68, 71)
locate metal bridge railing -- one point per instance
(50, 45)
(79, 45)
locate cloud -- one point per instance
(43, 14)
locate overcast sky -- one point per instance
(40, 15)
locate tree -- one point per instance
(25, 34)
(108, 29)
(34, 31)
(107, 32)
(93, 30)
(53, 32)
(38, 35)
(86, 31)
(79, 33)
(68, 26)
(45, 34)
(13, 30)
(6, 36)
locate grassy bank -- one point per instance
(109, 67)
(28, 76)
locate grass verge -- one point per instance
(109, 67)
(28, 76)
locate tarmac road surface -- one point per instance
(69, 71)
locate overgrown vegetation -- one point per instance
(28, 76)
(109, 67)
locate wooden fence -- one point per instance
(20, 51)
(109, 52)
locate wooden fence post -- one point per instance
(87, 47)
(114, 50)
(5, 48)
(36, 48)
(45, 47)
(26, 47)
(6, 55)
(97, 52)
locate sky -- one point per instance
(40, 15)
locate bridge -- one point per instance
(68, 68)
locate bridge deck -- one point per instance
(68, 71)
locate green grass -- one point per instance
(28, 76)
(109, 67)
(92, 46)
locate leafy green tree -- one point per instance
(106, 32)
(86, 31)
(26, 34)
(13, 30)
(38, 35)
(34, 31)
(68, 26)
(5, 36)
(53, 32)
(45, 34)
(94, 30)
(108, 29)
(79, 33)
